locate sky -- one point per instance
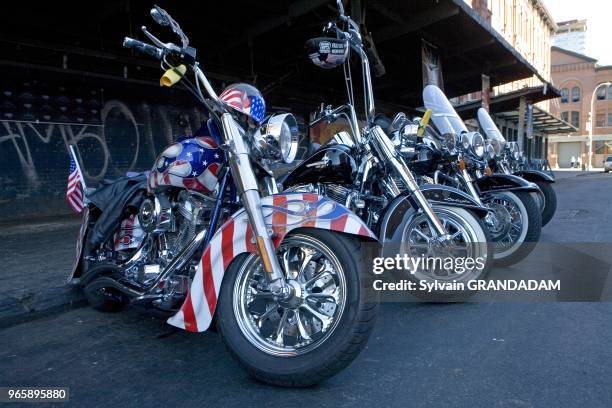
(598, 14)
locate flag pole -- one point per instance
(78, 165)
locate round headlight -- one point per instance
(465, 141)
(490, 150)
(516, 154)
(281, 137)
(478, 145)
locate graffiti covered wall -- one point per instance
(112, 136)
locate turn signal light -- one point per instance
(488, 171)
(461, 165)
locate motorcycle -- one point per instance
(207, 237)
(451, 155)
(506, 161)
(361, 169)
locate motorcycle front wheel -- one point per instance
(515, 225)
(468, 240)
(547, 201)
(318, 329)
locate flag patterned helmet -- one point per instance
(245, 99)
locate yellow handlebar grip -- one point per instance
(424, 122)
(172, 76)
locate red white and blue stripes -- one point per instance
(283, 212)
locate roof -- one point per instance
(510, 100)
(573, 53)
(543, 121)
(263, 43)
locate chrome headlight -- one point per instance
(516, 154)
(490, 152)
(474, 143)
(278, 138)
(449, 141)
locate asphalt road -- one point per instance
(421, 355)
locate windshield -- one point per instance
(488, 126)
(443, 114)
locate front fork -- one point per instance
(388, 151)
(248, 190)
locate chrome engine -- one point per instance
(171, 225)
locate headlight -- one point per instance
(516, 154)
(278, 138)
(490, 150)
(474, 143)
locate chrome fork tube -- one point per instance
(387, 149)
(469, 184)
(248, 190)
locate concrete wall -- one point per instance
(113, 133)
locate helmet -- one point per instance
(327, 52)
(245, 99)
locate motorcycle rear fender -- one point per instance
(504, 182)
(535, 175)
(75, 273)
(283, 213)
(404, 205)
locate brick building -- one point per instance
(577, 76)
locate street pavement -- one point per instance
(420, 355)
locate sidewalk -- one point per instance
(37, 256)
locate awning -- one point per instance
(543, 122)
(509, 101)
(262, 42)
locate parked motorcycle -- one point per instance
(506, 161)
(361, 169)
(210, 239)
(454, 156)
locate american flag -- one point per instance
(74, 191)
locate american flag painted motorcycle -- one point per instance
(209, 239)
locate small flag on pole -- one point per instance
(74, 190)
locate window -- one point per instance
(609, 119)
(565, 116)
(601, 93)
(575, 119)
(600, 120)
(575, 94)
(599, 147)
(564, 95)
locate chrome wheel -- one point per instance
(302, 321)
(507, 224)
(466, 239)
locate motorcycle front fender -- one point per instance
(282, 213)
(504, 182)
(535, 175)
(404, 206)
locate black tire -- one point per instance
(104, 299)
(343, 344)
(532, 236)
(550, 201)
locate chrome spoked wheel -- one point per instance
(308, 316)
(507, 224)
(466, 240)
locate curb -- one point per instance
(23, 305)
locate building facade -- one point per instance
(578, 76)
(571, 35)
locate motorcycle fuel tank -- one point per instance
(190, 163)
(331, 164)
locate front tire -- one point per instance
(550, 201)
(516, 228)
(306, 339)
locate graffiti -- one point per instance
(34, 154)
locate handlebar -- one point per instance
(143, 48)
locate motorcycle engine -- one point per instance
(171, 223)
